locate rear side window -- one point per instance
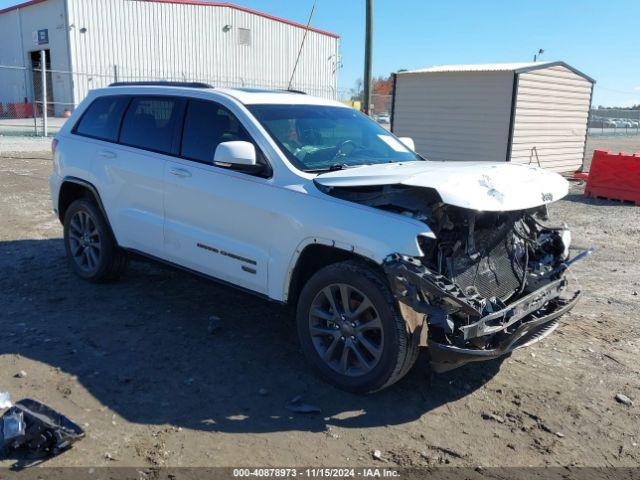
(206, 125)
(149, 123)
(102, 118)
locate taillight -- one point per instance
(54, 145)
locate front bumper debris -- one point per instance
(531, 330)
(521, 323)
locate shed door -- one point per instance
(550, 123)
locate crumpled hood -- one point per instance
(473, 185)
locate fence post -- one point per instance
(115, 73)
(43, 73)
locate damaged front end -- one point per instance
(488, 283)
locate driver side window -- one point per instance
(206, 125)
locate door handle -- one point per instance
(109, 155)
(180, 172)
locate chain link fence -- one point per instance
(24, 92)
(614, 121)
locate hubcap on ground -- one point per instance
(84, 241)
(346, 330)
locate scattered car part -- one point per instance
(296, 405)
(37, 430)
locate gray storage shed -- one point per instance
(516, 112)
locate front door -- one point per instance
(215, 217)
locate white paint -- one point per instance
(475, 185)
(478, 67)
(235, 153)
(266, 220)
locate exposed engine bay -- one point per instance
(488, 283)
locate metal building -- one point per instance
(520, 112)
(100, 41)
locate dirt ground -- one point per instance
(133, 363)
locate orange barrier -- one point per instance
(614, 176)
(20, 110)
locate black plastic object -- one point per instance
(162, 84)
(44, 433)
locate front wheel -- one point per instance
(351, 329)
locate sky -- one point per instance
(601, 39)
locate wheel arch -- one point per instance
(74, 188)
(314, 254)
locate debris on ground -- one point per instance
(446, 451)
(5, 401)
(215, 324)
(34, 429)
(21, 374)
(377, 454)
(296, 405)
(622, 398)
(493, 416)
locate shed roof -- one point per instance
(205, 4)
(497, 67)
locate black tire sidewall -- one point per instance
(384, 304)
(108, 247)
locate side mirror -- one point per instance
(408, 142)
(237, 153)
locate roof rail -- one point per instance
(162, 84)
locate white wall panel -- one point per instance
(455, 116)
(550, 123)
(17, 27)
(457, 113)
(152, 40)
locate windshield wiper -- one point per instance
(332, 168)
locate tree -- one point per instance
(357, 92)
(383, 85)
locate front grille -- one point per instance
(495, 272)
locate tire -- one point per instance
(320, 326)
(92, 251)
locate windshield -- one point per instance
(318, 138)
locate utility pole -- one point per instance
(368, 51)
(43, 84)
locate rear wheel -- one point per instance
(91, 249)
(351, 329)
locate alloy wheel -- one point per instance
(346, 330)
(84, 240)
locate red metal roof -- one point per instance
(22, 5)
(208, 4)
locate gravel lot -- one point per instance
(134, 362)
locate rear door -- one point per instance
(215, 217)
(131, 172)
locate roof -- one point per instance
(273, 97)
(206, 4)
(496, 67)
(247, 96)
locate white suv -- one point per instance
(308, 202)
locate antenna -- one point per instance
(313, 9)
(537, 55)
